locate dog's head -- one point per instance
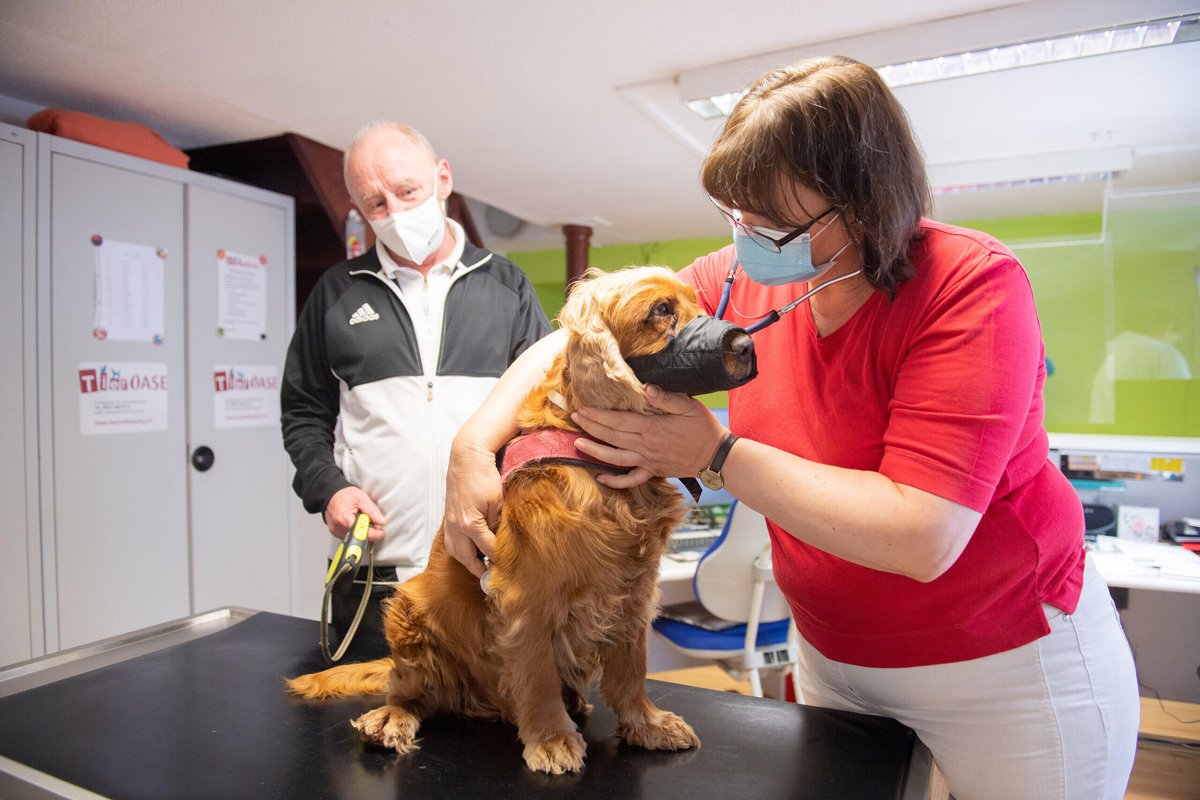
(609, 318)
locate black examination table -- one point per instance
(196, 709)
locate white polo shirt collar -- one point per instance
(424, 296)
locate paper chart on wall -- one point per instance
(241, 296)
(129, 292)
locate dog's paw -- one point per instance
(662, 731)
(580, 706)
(389, 726)
(556, 755)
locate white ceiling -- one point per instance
(559, 111)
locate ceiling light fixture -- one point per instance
(1020, 183)
(1044, 51)
(1036, 169)
(1115, 39)
(716, 106)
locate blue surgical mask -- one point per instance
(792, 264)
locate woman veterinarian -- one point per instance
(932, 555)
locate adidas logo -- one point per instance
(364, 314)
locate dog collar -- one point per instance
(557, 446)
(548, 445)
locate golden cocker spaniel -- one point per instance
(573, 579)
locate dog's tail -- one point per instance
(367, 677)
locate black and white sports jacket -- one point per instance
(359, 408)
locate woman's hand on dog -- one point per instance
(344, 507)
(473, 497)
(677, 443)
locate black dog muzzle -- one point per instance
(708, 355)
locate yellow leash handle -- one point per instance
(346, 561)
(350, 551)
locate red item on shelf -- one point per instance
(125, 137)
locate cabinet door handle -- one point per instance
(202, 458)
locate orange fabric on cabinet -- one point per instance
(125, 137)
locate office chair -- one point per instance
(735, 592)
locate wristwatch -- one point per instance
(711, 477)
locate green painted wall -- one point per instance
(1118, 299)
(1120, 312)
(547, 268)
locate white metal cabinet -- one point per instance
(117, 517)
(240, 504)
(20, 564)
(132, 534)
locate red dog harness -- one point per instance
(548, 445)
(555, 446)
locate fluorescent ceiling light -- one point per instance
(1041, 169)
(716, 106)
(1153, 33)
(1044, 51)
(1020, 183)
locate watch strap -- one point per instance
(722, 451)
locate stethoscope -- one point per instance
(772, 316)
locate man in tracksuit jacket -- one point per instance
(393, 351)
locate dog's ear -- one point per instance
(596, 373)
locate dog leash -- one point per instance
(346, 561)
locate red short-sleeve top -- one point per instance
(939, 389)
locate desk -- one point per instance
(1132, 564)
(671, 570)
(196, 709)
(1125, 563)
(1158, 610)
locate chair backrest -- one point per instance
(725, 575)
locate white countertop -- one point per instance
(670, 569)
(1124, 563)
(1135, 564)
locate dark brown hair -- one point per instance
(832, 125)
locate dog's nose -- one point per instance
(738, 351)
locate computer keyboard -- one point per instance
(696, 540)
(698, 531)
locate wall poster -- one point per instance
(129, 292)
(241, 296)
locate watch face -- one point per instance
(711, 479)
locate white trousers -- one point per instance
(1056, 718)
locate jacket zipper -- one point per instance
(434, 513)
(431, 414)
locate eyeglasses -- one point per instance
(767, 238)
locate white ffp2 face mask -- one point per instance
(416, 233)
